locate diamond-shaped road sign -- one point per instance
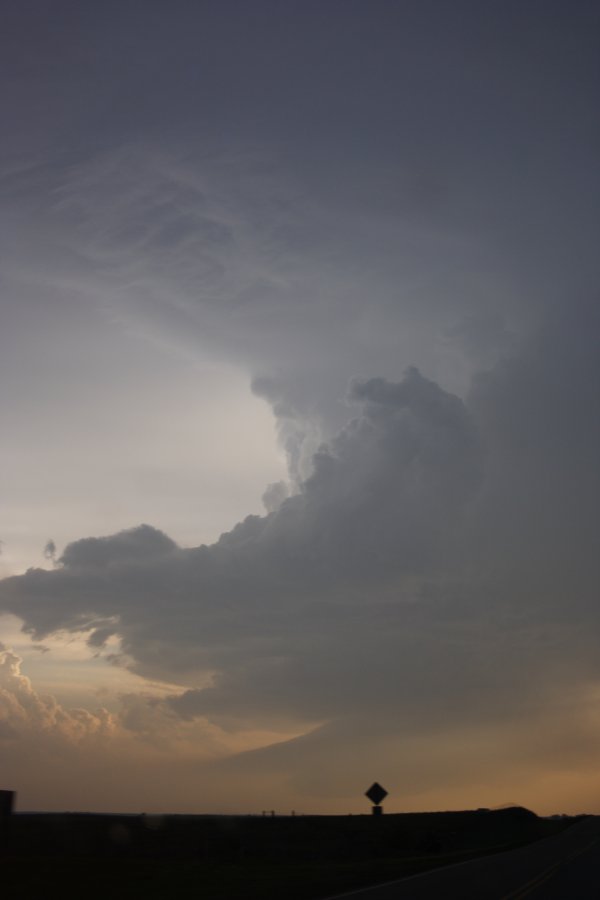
(376, 793)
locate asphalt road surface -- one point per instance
(563, 867)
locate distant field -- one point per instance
(245, 857)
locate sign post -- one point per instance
(376, 794)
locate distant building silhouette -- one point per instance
(7, 801)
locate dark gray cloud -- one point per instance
(296, 187)
(437, 567)
(377, 505)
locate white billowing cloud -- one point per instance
(25, 713)
(57, 757)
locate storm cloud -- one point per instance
(425, 573)
(341, 257)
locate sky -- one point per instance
(299, 356)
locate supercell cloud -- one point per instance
(342, 257)
(433, 574)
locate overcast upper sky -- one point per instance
(299, 356)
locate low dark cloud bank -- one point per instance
(436, 570)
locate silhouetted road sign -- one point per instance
(376, 793)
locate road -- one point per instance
(563, 867)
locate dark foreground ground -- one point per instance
(245, 858)
(564, 866)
